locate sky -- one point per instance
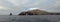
(17, 6)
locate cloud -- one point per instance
(16, 6)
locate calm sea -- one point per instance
(31, 18)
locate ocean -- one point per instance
(30, 18)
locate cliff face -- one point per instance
(34, 12)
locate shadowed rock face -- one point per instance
(22, 13)
(34, 12)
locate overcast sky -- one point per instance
(16, 6)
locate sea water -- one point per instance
(30, 18)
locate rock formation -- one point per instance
(34, 12)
